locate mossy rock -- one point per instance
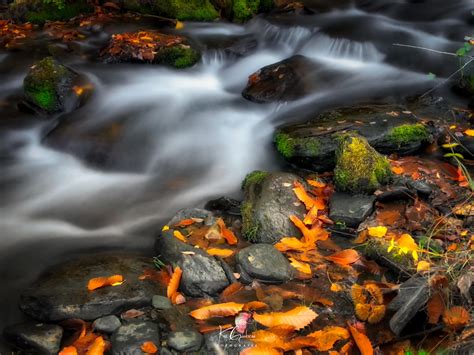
(191, 10)
(387, 128)
(359, 167)
(38, 12)
(178, 56)
(268, 204)
(48, 86)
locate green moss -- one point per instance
(250, 229)
(197, 10)
(50, 12)
(359, 168)
(254, 177)
(244, 10)
(178, 56)
(41, 83)
(287, 145)
(408, 133)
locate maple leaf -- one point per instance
(312, 235)
(98, 282)
(217, 310)
(307, 200)
(292, 243)
(344, 257)
(298, 317)
(174, 282)
(361, 340)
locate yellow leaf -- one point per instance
(179, 25)
(423, 266)
(335, 287)
(225, 253)
(469, 132)
(165, 228)
(301, 266)
(178, 235)
(298, 317)
(378, 232)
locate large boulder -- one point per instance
(49, 87)
(387, 128)
(191, 10)
(359, 167)
(35, 338)
(38, 11)
(129, 338)
(150, 47)
(203, 274)
(269, 203)
(63, 294)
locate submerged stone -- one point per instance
(49, 87)
(387, 128)
(185, 341)
(359, 167)
(35, 338)
(129, 338)
(107, 324)
(269, 203)
(348, 210)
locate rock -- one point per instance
(412, 296)
(224, 205)
(107, 324)
(39, 12)
(185, 341)
(202, 274)
(282, 81)
(350, 210)
(161, 302)
(48, 87)
(223, 342)
(191, 10)
(395, 193)
(387, 128)
(62, 294)
(187, 213)
(129, 338)
(35, 338)
(269, 203)
(265, 263)
(359, 167)
(160, 48)
(422, 188)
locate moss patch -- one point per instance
(250, 229)
(254, 177)
(359, 168)
(244, 10)
(41, 84)
(287, 146)
(197, 10)
(50, 12)
(408, 133)
(178, 57)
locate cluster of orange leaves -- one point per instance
(12, 34)
(86, 343)
(368, 302)
(143, 45)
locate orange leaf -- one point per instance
(469, 132)
(298, 317)
(311, 216)
(316, 183)
(310, 235)
(174, 282)
(344, 257)
(178, 235)
(456, 317)
(217, 310)
(261, 350)
(228, 235)
(254, 305)
(327, 337)
(99, 282)
(98, 347)
(225, 253)
(361, 340)
(68, 350)
(185, 222)
(307, 200)
(292, 243)
(435, 308)
(301, 266)
(149, 347)
(398, 170)
(231, 289)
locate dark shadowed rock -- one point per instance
(185, 341)
(107, 324)
(387, 128)
(161, 302)
(395, 193)
(35, 338)
(265, 263)
(222, 342)
(202, 274)
(187, 213)
(350, 210)
(129, 338)
(422, 188)
(63, 294)
(412, 296)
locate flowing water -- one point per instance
(188, 136)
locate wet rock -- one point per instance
(412, 296)
(62, 294)
(283, 81)
(265, 263)
(35, 338)
(185, 341)
(359, 167)
(387, 128)
(161, 302)
(202, 274)
(269, 202)
(107, 324)
(39, 12)
(48, 87)
(187, 213)
(241, 48)
(224, 205)
(223, 342)
(150, 47)
(350, 210)
(422, 188)
(129, 338)
(191, 10)
(395, 193)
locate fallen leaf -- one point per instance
(456, 317)
(335, 287)
(464, 284)
(377, 232)
(398, 170)
(185, 222)
(300, 266)
(298, 317)
(361, 340)
(423, 266)
(255, 305)
(226, 233)
(217, 310)
(178, 298)
(97, 347)
(344, 257)
(174, 282)
(261, 350)
(149, 347)
(178, 235)
(68, 350)
(225, 253)
(469, 132)
(328, 336)
(98, 282)
(231, 290)
(435, 308)
(312, 235)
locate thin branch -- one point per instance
(428, 49)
